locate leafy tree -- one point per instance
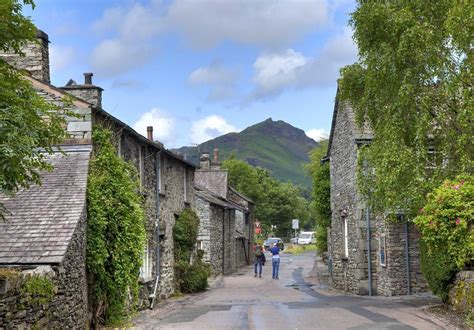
(276, 202)
(413, 85)
(27, 122)
(321, 204)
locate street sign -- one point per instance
(295, 224)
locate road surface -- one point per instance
(242, 301)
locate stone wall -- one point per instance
(36, 59)
(218, 215)
(67, 309)
(350, 273)
(461, 296)
(168, 192)
(392, 278)
(203, 210)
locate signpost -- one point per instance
(295, 224)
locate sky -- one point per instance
(197, 69)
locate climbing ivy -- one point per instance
(115, 233)
(190, 275)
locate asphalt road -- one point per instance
(295, 301)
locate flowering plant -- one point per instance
(446, 221)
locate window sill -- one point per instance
(145, 280)
(345, 259)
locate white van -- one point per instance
(307, 237)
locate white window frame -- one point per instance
(345, 236)
(145, 269)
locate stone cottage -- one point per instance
(226, 219)
(42, 214)
(368, 255)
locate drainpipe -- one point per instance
(157, 232)
(369, 243)
(369, 250)
(407, 254)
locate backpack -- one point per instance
(258, 254)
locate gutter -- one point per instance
(369, 250)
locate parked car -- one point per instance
(272, 240)
(307, 237)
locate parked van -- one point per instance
(307, 237)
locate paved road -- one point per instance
(293, 302)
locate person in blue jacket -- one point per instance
(275, 251)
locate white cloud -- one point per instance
(163, 125)
(209, 128)
(267, 24)
(221, 81)
(60, 57)
(115, 56)
(317, 134)
(132, 46)
(276, 72)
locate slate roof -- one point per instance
(42, 219)
(212, 198)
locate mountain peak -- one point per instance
(274, 145)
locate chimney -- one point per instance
(88, 78)
(204, 162)
(215, 164)
(87, 92)
(35, 59)
(149, 132)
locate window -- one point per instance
(382, 251)
(145, 269)
(345, 237)
(247, 218)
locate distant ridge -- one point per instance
(274, 145)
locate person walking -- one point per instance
(275, 251)
(259, 261)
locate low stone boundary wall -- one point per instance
(461, 295)
(25, 297)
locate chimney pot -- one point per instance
(149, 131)
(216, 155)
(88, 78)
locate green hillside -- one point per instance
(274, 145)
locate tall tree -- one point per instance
(276, 202)
(321, 204)
(27, 122)
(413, 85)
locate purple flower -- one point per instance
(458, 221)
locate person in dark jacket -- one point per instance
(259, 261)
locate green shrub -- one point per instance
(321, 238)
(189, 276)
(447, 232)
(438, 268)
(38, 290)
(115, 231)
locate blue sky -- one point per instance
(196, 69)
